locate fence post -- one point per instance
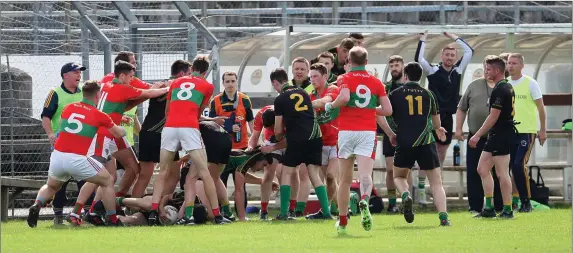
(191, 43)
(101, 37)
(85, 35)
(11, 103)
(363, 13)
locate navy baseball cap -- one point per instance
(71, 66)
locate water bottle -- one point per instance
(238, 134)
(457, 156)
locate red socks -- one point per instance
(216, 212)
(264, 206)
(343, 220)
(292, 205)
(154, 206)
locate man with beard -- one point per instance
(444, 80)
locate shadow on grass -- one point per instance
(65, 227)
(414, 227)
(350, 236)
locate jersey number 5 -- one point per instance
(298, 103)
(73, 119)
(185, 91)
(411, 99)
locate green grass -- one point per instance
(541, 231)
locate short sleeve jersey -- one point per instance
(295, 106)
(114, 99)
(135, 82)
(185, 97)
(359, 114)
(258, 125)
(413, 107)
(79, 125)
(503, 98)
(328, 121)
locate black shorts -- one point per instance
(426, 156)
(387, 149)
(150, 146)
(500, 142)
(217, 146)
(447, 121)
(299, 152)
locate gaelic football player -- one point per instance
(360, 94)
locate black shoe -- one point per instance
(33, 214)
(408, 209)
(506, 215)
(318, 216)
(221, 220)
(393, 209)
(284, 218)
(186, 221)
(230, 218)
(291, 213)
(525, 207)
(264, 216)
(486, 213)
(298, 214)
(94, 219)
(153, 218)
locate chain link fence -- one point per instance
(37, 38)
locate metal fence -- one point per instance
(37, 38)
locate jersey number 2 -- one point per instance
(411, 99)
(298, 103)
(73, 119)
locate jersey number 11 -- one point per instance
(411, 99)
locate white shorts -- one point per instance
(352, 143)
(63, 166)
(328, 152)
(106, 146)
(186, 138)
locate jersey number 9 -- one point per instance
(411, 99)
(362, 92)
(298, 104)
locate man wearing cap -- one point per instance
(67, 93)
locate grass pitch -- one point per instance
(541, 231)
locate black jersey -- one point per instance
(413, 107)
(295, 106)
(503, 98)
(155, 118)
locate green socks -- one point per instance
(323, 199)
(405, 196)
(515, 200)
(189, 212)
(333, 207)
(507, 209)
(300, 206)
(443, 216)
(226, 210)
(285, 198)
(119, 201)
(392, 197)
(489, 202)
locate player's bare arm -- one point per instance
(542, 134)
(319, 103)
(385, 108)
(220, 120)
(278, 146)
(254, 139)
(279, 134)
(117, 131)
(383, 123)
(341, 100)
(487, 125)
(437, 126)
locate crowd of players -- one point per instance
(323, 122)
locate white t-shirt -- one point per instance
(533, 86)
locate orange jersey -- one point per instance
(80, 123)
(328, 121)
(185, 98)
(135, 82)
(359, 114)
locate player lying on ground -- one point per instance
(360, 94)
(416, 115)
(253, 160)
(73, 154)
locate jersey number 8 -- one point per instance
(363, 92)
(73, 119)
(185, 91)
(298, 103)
